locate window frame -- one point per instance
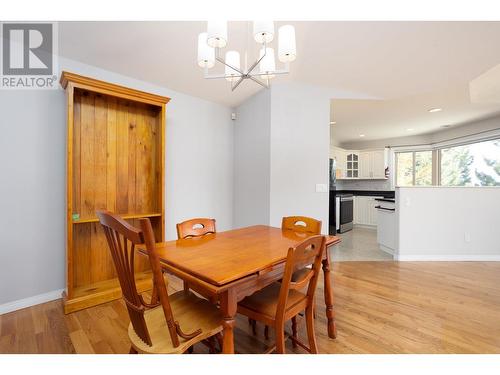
(413, 152)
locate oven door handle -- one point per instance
(384, 208)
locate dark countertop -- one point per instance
(385, 200)
(373, 193)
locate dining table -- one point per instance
(230, 265)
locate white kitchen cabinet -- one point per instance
(378, 163)
(387, 229)
(366, 165)
(352, 165)
(365, 212)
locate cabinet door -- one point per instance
(378, 164)
(372, 211)
(365, 164)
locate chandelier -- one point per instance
(215, 39)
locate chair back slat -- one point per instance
(195, 228)
(118, 234)
(308, 252)
(301, 224)
(303, 282)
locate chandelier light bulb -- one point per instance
(287, 50)
(217, 34)
(206, 54)
(233, 59)
(263, 31)
(267, 64)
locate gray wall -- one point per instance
(199, 176)
(252, 143)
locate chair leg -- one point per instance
(186, 286)
(132, 350)
(211, 345)
(294, 331)
(310, 330)
(280, 338)
(254, 327)
(219, 340)
(266, 332)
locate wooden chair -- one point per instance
(168, 324)
(195, 228)
(280, 302)
(300, 224)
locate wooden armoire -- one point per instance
(115, 161)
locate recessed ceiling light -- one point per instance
(333, 122)
(409, 129)
(361, 135)
(432, 110)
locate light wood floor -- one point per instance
(382, 307)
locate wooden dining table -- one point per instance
(228, 266)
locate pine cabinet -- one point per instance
(115, 162)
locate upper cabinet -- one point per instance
(367, 165)
(352, 165)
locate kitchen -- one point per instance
(361, 198)
(384, 158)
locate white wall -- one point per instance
(252, 144)
(199, 176)
(300, 143)
(448, 223)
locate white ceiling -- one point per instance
(409, 66)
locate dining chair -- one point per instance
(195, 228)
(300, 224)
(192, 228)
(280, 302)
(168, 323)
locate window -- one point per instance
(414, 168)
(476, 164)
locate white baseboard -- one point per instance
(447, 258)
(386, 249)
(30, 301)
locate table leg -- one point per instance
(228, 306)
(330, 312)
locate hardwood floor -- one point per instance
(382, 307)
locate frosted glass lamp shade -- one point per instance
(233, 59)
(263, 31)
(206, 54)
(217, 34)
(267, 64)
(287, 50)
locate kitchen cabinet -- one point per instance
(373, 164)
(387, 228)
(365, 212)
(352, 165)
(367, 165)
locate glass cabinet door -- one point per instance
(352, 166)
